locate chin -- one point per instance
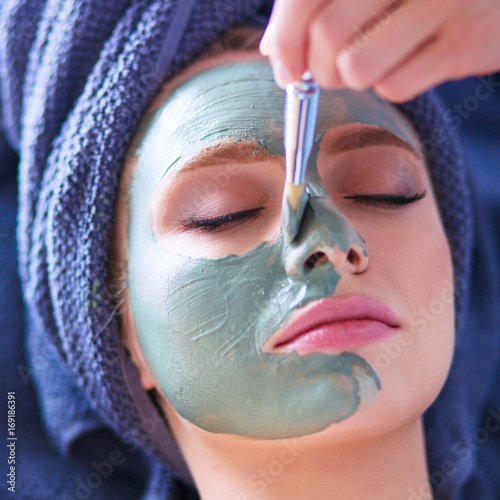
(411, 379)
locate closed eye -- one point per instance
(236, 218)
(222, 222)
(386, 199)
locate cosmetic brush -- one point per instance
(301, 111)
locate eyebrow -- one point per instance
(364, 137)
(231, 152)
(252, 151)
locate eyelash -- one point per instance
(245, 215)
(386, 199)
(223, 221)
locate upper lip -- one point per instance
(329, 310)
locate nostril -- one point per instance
(353, 257)
(315, 258)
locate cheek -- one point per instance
(409, 254)
(415, 255)
(412, 259)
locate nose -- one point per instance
(326, 242)
(354, 261)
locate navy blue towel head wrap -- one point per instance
(76, 78)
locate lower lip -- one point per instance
(339, 336)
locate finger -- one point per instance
(332, 28)
(265, 41)
(433, 64)
(265, 44)
(410, 27)
(286, 44)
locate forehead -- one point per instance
(239, 101)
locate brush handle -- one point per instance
(301, 111)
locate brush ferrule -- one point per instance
(301, 111)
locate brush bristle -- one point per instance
(293, 193)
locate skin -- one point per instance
(392, 263)
(398, 48)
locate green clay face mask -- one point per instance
(201, 323)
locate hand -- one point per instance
(399, 49)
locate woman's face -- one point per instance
(214, 288)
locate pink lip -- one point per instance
(337, 324)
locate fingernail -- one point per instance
(282, 75)
(344, 71)
(265, 42)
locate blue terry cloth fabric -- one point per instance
(40, 471)
(75, 78)
(472, 111)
